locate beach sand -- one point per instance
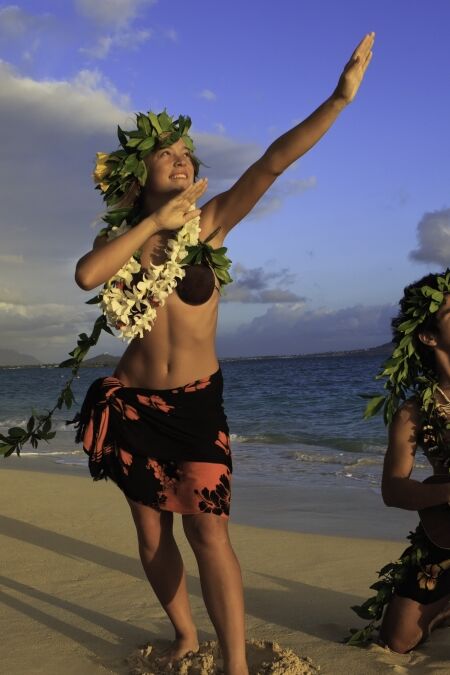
(75, 601)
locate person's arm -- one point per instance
(227, 209)
(397, 488)
(107, 257)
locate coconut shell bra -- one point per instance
(198, 284)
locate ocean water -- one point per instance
(293, 420)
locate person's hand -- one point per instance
(178, 211)
(354, 70)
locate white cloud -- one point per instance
(113, 13)
(208, 95)
(293, 329)
(11, 259)
(255, 285)
(225, 159)
(283, 188)
(25, 30)
(42, 319)
(131, 39)
(16, 23)
(433, 233)
(39, 328)
(9, 294)
(89, 102)
(171, 34)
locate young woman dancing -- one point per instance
(157, 427)
(416, 588)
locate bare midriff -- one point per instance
(180, 347)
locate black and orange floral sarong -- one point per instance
(168, 449)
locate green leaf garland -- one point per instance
(405, 376)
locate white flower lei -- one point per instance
(130, 306)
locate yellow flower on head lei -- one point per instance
(129, 299)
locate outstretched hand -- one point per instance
(178, 210)
(353, 73)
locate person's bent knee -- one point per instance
(401, 645)
(206, 531)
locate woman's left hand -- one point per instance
(353, 72)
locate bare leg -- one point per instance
(164, 568)
(407, 622)
(221, 581)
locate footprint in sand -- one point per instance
(264, 658)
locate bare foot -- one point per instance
(180, 647)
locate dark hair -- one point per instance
(430, 324)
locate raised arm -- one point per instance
(398, 489)
(228, 208)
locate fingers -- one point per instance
(367, 61)
(364, 47)
(194, 191)
(191, 214)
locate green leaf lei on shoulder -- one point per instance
(407, 374)
(119, 175)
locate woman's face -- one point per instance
(443, 322)
(170, 169)
(439, 339)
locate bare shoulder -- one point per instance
(403, 438)
(408, 414)
(99, 241)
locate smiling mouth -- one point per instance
(178, 176)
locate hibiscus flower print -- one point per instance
(167, 482)
(127, 411)
(202, 383)
(199, 384)
(156, 402)
(216, 501)
(126, 460)
(223, 441)
(428, 576)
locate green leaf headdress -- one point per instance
(410, 369)
(120, 172)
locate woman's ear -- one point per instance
(428, 339)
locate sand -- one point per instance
(75, 602)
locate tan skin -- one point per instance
(407, 622)
(181, 348)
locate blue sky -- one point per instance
(333, 242)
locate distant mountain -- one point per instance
(381, 350)
(9, 357)
(386, 348)
(106, 360)
(100, 361)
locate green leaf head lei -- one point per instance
(410, 370)
(121, 175)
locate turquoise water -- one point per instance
(292, 419)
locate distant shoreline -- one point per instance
(104, 360)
